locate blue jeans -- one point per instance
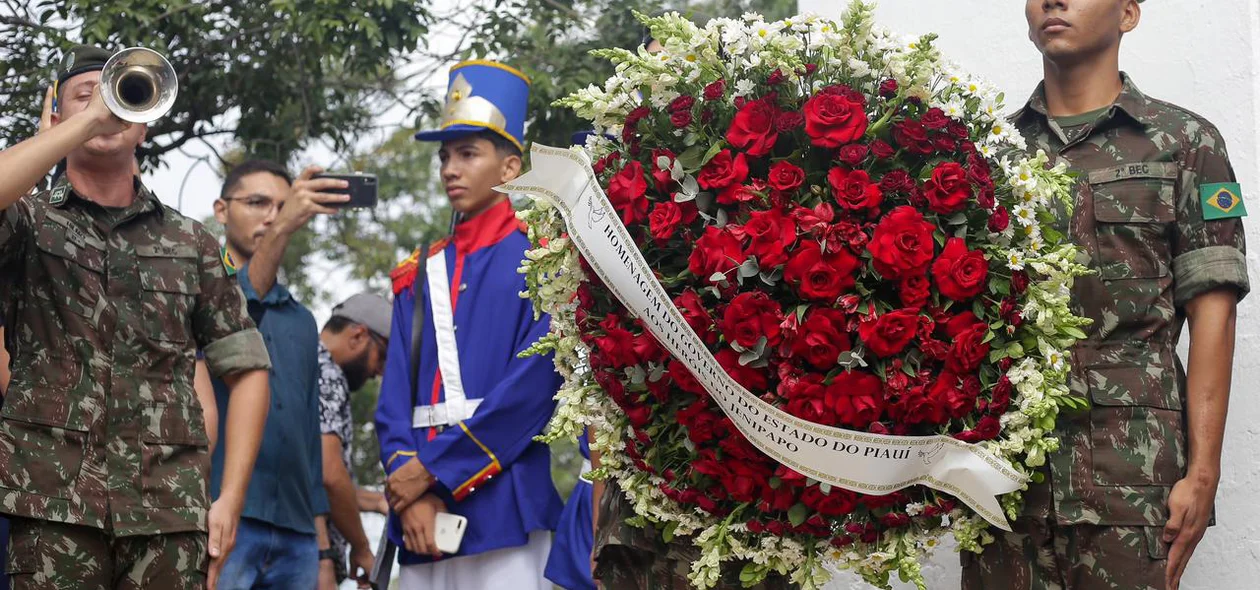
(270, 557)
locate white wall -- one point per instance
(1205, 56)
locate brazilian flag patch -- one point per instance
(229, 263)
(1222, 200)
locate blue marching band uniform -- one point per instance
(478, 406)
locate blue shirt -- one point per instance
(287, 487)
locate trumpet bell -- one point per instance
(138, 85)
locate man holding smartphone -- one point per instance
(457, 434)
(261, 209)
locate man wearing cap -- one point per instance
(103, 449)
(351, 351)
(459, 437)
(1159, 214)
(261, 208)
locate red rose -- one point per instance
(772, 234)
(786, 176)
(750, 317)
(857, 398)
(987, 428)
(661, 175)
(955, 401)
(935, 118)
(853, 154)
(684, 379)
(717, 251)
(605, 162)
(902, 243)
(890, 333)
(888, 88)
(696, 314)
(646, 347)
(959, 323)
(626, 190)
(700, 422)
(639, 415)
(1019, 282)
(914, 290)
(752, 379)
(680, 119)
(681, 103)
(968, 350)
(959, 130)
(1002, 391)
(617, 343)
(948, 190)
(776, 78)
(789, 120)
(854, 190)
(912, 136)
(918, 407)
(664, 220)
(850, 233)
(882, 149)
(725, 172)
(960, 273)
(834, 118)
(753, 128)
(896, 181)
(715, 90)
(821, 276)
(999, 220)
(821, 338)
(838, 502)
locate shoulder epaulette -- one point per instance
(404, 275)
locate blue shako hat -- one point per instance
(483, 95)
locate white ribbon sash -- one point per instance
(456, 407)
(857, 461)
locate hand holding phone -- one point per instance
(360, 187)
(450, 531)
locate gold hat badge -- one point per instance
(462, 108)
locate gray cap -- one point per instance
(368, 309)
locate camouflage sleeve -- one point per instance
(222, 327)
(15, 225)
(1207, 253)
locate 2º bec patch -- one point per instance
(1222, 200)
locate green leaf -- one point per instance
(692, 158)
(1074, 332)
(797, 514)
(713, 151)
(667, 535)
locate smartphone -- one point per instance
(450, 532)
(362, 189)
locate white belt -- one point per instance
(448, 413)
(586, 470)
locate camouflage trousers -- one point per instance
(46, 555)
(1042, 555)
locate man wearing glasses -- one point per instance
(261, 208)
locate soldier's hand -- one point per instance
(327, 575)
(419, 522)
(407, 484)
(103, 121)
(1189, 510)
(225, 515)
(45, 116)
(307, 200)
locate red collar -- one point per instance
(486, 229)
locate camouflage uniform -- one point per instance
(1140, 218)
(101, 428)
(632, 558)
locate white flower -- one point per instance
(744, 87)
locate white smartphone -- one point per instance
(450, 531)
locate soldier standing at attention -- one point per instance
(459, 438)
(1130, 492)
(103, 449)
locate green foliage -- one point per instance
(272, 74)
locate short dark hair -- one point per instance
(233, 180)
(337, 324)
(503, 145)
